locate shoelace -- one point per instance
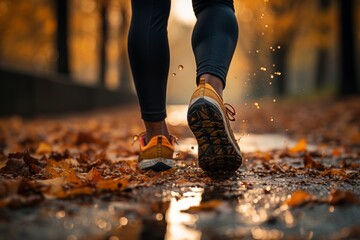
(230, 112)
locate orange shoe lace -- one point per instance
(230, 112)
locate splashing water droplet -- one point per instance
(271, 119)
(180, 67)
(271, 76)
(277, 73)
(174, 74)
(256, 104)
(263, 69)
(274, 100)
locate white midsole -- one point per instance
(147, 163)
(213, 101)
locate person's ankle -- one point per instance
(214, 82)
(155, 129)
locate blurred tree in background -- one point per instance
(285, 47)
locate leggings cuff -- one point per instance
(213, 71)
(153, 116)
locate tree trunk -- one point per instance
(126, 84)
(103, 35)
(320, 75)
(62, 36)
(348, 85)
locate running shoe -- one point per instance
(157, 154)
(208, 118)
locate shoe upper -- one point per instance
(159, 147)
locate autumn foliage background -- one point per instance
(69, 112)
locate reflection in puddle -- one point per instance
(177, 221)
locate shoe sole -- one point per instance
(216, 151)
(156, 164)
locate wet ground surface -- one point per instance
(287, 188)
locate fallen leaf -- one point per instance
(341, 197)
(93, 175)
(300, 146)
(43, 148)
(298, 198)
(204, 206)
(112, 184)
(309, 162)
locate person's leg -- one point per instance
(149, 59)
(214, 40)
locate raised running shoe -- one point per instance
(208, 118)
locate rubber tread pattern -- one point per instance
(216, 153)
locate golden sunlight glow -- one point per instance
(183, 12)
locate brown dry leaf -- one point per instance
(113, 184)
(298, 198)
(310, 163)
(333, 171)
(54, 188)
(73, 192)
(341, 197)
(93, 176)
(205, 206)
(62, 169)
(300, 146)
(43, 148)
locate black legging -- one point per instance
(214, 40)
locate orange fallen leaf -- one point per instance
(112, 184)
(341, 197)
(300, 146)
(333, 171)
(93, 175)
(205, 206)
(43, 148)
(62, 168)
(298, 198)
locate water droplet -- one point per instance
(274, 100)
(257, 50)
(278, 47)
(159, 217)
(123, 221)
(256, 104)
(263, 69)
(174, 74)
(271, 119)
(271, 76)
(266, 26)
(192, 147)
(60, 214)
(72, 237)
(270, 83)
(180, 67)
(277, 73)
(114, 238)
